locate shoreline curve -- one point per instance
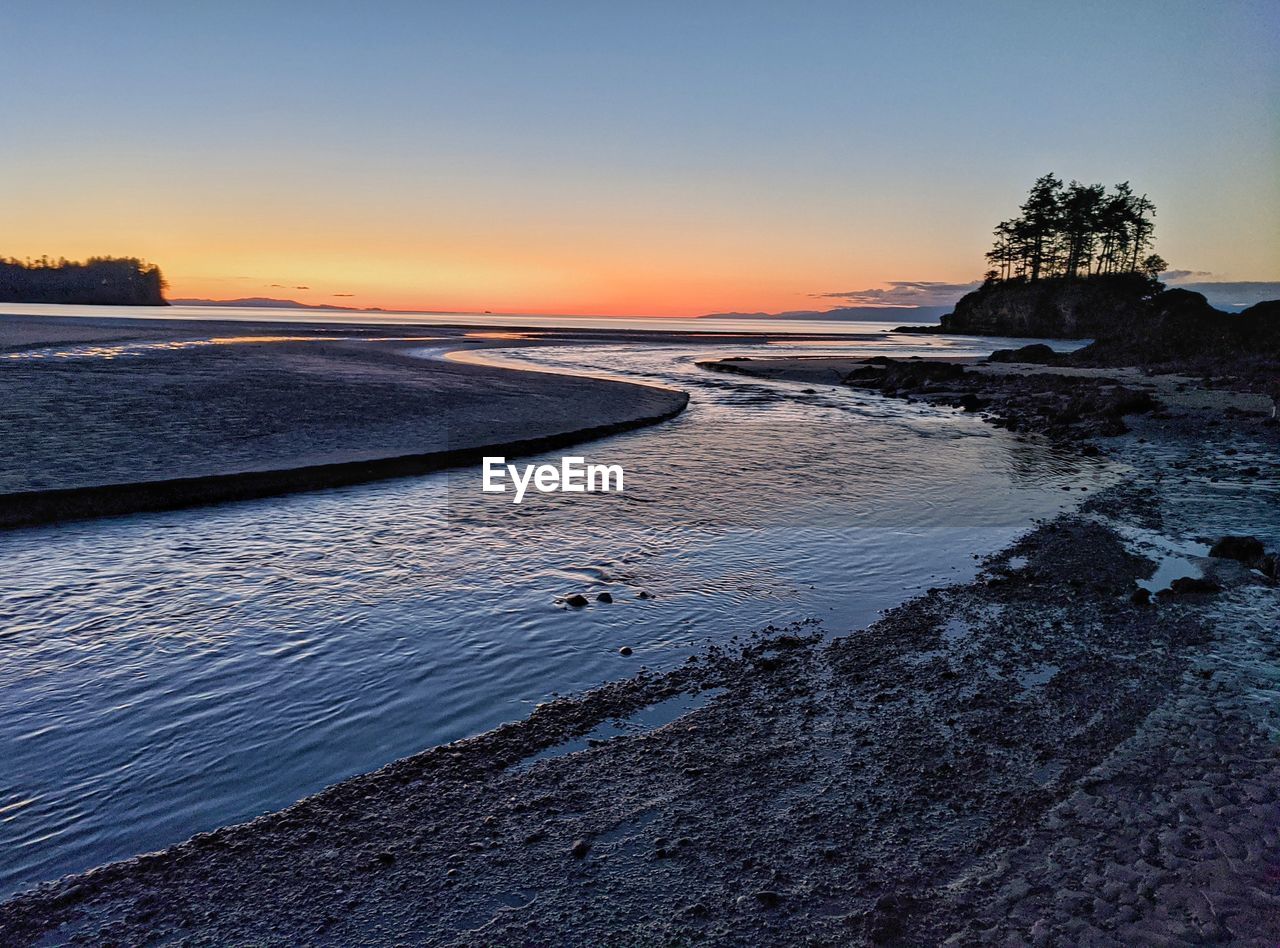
(42, 507)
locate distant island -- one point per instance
(1077, 262)
(98, 281)
(1077, 259)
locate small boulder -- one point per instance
(604, 597)
(1190, 585)
(625, 650)
(1035, 354)
(1247, 550)
(577, 600)
(580, 849)
(1141, 597)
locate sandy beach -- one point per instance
(232, 411)
(1064, 748)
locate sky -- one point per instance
(642, 158)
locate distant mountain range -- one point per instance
(1230, 296)
(878, 314)
(267, 302)
(886, 314)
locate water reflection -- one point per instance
(142, 347)
(164, 674)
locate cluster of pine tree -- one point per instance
(1076, 230)
(112, 281)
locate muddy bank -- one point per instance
(146, 417)
(1042, 755)
(1064, 402)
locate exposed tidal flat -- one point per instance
(1018, 727)
(167, 417)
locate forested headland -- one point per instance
(108, 281)
(1076, 261)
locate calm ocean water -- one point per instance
(494, 320)
(164, 674)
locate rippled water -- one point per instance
(163, 674)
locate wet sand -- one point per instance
(147, 417)
(1040, 756)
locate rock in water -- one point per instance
(577, 600)
(1247, 550)
(604, 597)
(1193, 584)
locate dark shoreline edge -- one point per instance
(36, 508)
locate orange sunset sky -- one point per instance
(576, 158)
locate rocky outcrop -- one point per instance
(1179, 331)
(1173, 331)
(1068, 408)
(1035, 354)
(1049, 309)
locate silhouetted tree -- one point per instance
(1074, 230)
(1041, 215)
(1153, 266)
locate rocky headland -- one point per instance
(1130, 320)
(1056, 308)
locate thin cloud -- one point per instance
(1178, 276)
(902, 293)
